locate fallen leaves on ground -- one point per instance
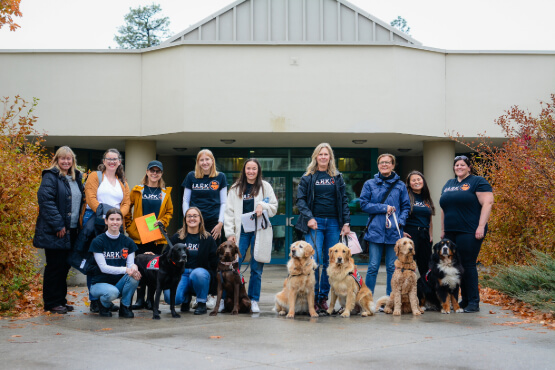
(215, 337)
(29, 304)
(520, 309)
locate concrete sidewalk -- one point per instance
(487, 340)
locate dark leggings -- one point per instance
(422, 245)
(468, 248)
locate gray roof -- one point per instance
(291, 22)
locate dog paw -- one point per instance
(235, 312)
(314, 314)
(346, 314)
(213, 313)
(365, 314)
(387, 310)
(459, 310)
(445, 312)
(290, 315)
(422, 309)
(417, 313)
(281, 313)
(396, 313)
(176, 315)
(330, 310)
(156, 317)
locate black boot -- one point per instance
(125, 312)
(140, 302)
(185, 306)
(94, 306)
(103, 311)
(114, 308)
(201, 308)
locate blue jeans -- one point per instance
(374, 260)
(255, 281)
(124, 288)
(327, 236)
(193, 281)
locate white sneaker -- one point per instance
(222, 306)
(193, 302)
(210, 302)
(254, 307)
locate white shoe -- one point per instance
(193, 302)
(254, 307)
(222, 306)
(211, 302)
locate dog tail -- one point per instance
(382, 301)
(372, 307)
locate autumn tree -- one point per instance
(9, 9)
(22, 158)
(401, 24)
(143, 28)
(522, 173)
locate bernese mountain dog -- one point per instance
(439, 288)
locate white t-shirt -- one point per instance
(108, 194)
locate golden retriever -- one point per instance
(298, 288)
(403, 297)
(346, 284)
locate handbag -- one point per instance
(250, 221)
(363, 242)
(263, 241)
(351, 241)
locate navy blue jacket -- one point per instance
(54, 197)
(305, 201)
(370, 198)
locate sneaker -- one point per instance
(194, 302)
(222, 306)
(211, 302)
(254, 307)
(323, 304)
(380, 309)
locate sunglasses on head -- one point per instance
(459, 157)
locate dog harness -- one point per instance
(355, 275)
(403, 269)
(153, 264)
(428, 273)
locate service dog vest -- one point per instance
(357, 277)
(154, 264)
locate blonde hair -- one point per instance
(313, 166)
(387, 155)
(198, 171)
(201, 230)
(64, 151)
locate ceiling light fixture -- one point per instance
(359, 141)
(227, 141)
(180, 149)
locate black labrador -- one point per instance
(161, 272)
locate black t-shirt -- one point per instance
(192, 242)
(248, 200)
(421, 213)
(152, 200)
(205, 193)
(460, 204)
(325, 199)
(115, 253)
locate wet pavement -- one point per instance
(490, 339)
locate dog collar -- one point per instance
(428, 273)
(403, 268)
(230, 264)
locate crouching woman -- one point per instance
(119, 277)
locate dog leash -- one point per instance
(388, 223)
(315, 249)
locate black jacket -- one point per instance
(207, 258)
(54, 197)
(305, 201)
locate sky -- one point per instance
(442, 24)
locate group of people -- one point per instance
(106, 205)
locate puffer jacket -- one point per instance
(164, 215)
(54, 198)
(370, 198)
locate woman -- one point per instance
(114, 254)
(200, 270)
(206, 189)
(250, 194)
(113, 191)
(151, 196)
(419, 225)
(324, 213)
(466, 203)
(60, 196)
(382, 197)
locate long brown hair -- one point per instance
(425, 193)
(62, 152)
(240, 185)
(201, 230)
(119, 171)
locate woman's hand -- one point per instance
(480, 232)
(232, 239)
(217, 230)
(390, 210)
(345, 230)
(406, 235)
(312, 224)
(442, 235)
(60, 234)
(258, 210)
(133, 271)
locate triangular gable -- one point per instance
(291, 21)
